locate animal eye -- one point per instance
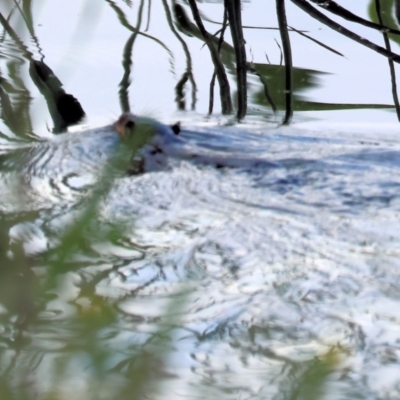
(130, 124)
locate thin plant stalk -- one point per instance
(180, 91)
(391, 63)
(291, 29)
(189, 64)
(316, 41)
(226, 101)
(336, 9)
(148, 16)
(124, 22)
(267, 92)
(397, 11)
(235, 23)
(212, 83)
(26, 14)
(127, 64)
(211, 101)
(287, 54)
(319, 16)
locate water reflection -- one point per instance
(264, 280)
(267, 88)
(64, 108)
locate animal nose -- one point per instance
(125, 125)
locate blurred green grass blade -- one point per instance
(312, 384)
(5, 391)
(114, 167)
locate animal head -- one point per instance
(138, 131)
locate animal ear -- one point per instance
(176, 128)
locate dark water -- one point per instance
(276, 278)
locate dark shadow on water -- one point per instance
(64, 108)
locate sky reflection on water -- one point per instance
(196, 280)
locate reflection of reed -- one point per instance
(26, 14)
(301, 33)
(127, 25)
(188, 74)
(220, 42)
(397, 11)
(64, 108)
(287, 53)
(309, 9)
(226, 102)
(127, 63)
(127, 57)
(385, 28)
(15, 114)
(275, 90)
(235, 23)
(390, 61)
(226, 58)
(336, 9)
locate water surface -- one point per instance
(194, 281)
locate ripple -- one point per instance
(280, 264)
